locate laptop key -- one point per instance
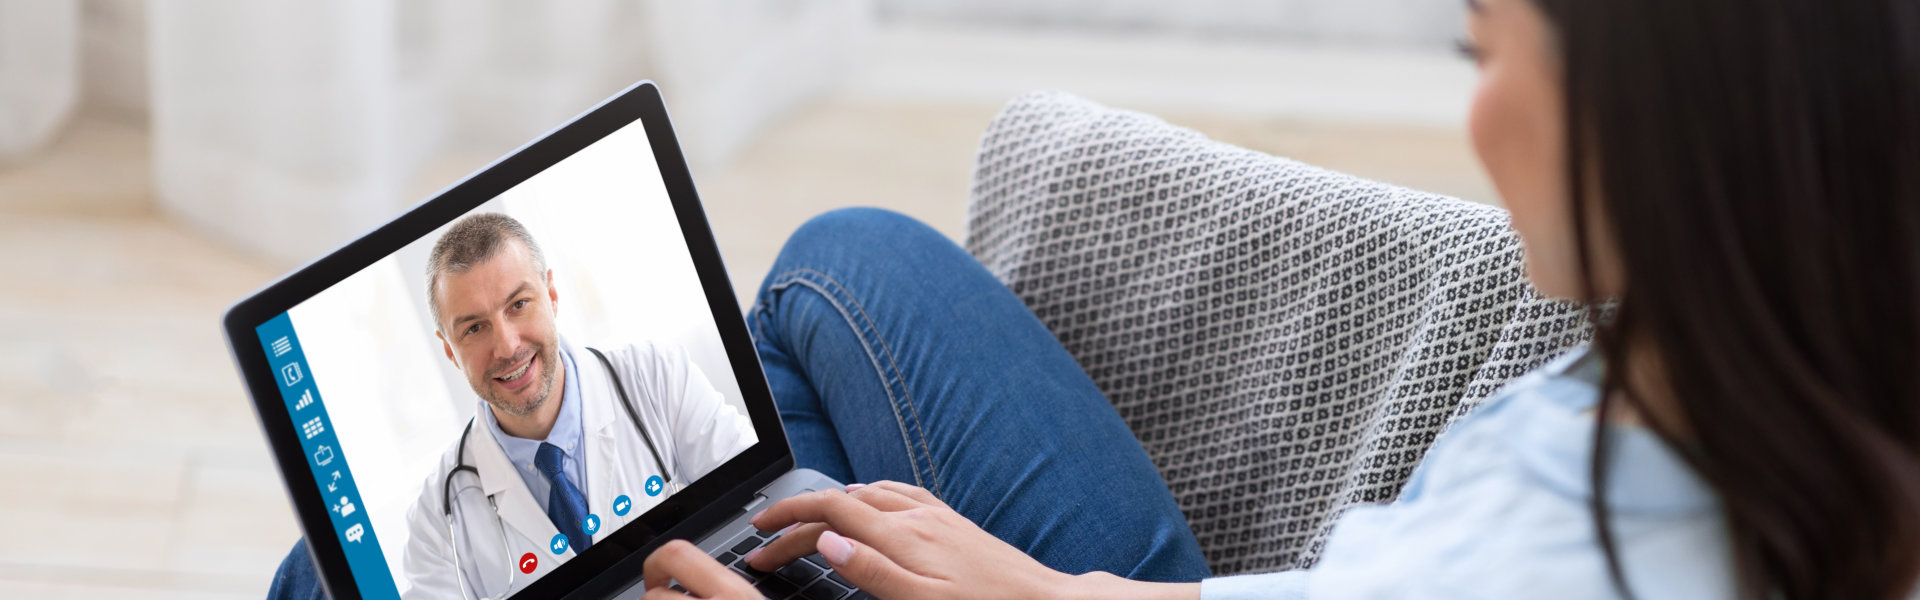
(823, 590)
(775, 587)
(838, 579)
(726, 558)
(742, 565)
(818, 560)
(742, 574)
(800, 572)
(745, 545)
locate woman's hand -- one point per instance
(680, 560)
(895, 541)
(898, 541)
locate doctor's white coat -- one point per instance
(693, 427)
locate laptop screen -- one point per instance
(489, 401)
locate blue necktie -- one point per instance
(566, 507)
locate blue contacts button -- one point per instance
(655, 485)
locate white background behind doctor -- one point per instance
(381, 371)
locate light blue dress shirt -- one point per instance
(566, 433)
(1499, 509)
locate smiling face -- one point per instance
(1518, 126)
(497, 326)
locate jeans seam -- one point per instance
(910, 433)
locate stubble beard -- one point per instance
(505, 405)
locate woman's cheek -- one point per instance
(1511, 126)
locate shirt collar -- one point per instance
(1553, 436)
(567, 428)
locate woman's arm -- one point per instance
(1101, 584)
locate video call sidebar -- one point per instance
(326, 459)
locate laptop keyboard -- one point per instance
(809, 578)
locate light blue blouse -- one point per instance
(1499, 509)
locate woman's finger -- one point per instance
(917, 493)
(869, 570)
(792, 544)
(799, 541)
(664, 594)
(885, 499)
(680, 560)
(834, 507)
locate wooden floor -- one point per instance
(133, 462)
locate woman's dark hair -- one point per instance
(1757, 163)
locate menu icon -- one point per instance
(281, 346)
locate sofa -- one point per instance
(1285, 341)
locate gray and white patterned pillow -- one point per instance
(1284, 340)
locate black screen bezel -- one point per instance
(703, 505)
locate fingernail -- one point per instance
(789, 529)
(837, 549)
(752, 553)
(854, 486)
(755, 519)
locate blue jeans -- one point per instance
(893, 354)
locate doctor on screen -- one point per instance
(563, 449)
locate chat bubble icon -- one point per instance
(354, 532)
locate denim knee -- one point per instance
(871, 227)
(849, 238)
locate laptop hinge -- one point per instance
(759, 501)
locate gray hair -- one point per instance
(471, 241)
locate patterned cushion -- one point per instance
(1285, 341)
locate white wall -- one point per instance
(289, 127)
(113, 58)
(39, 72)
(1424, 22)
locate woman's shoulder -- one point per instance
(1502, 507)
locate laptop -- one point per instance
(570, 291)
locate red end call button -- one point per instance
(529, 562)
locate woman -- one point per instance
(1743, 178)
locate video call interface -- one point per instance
(485, 404)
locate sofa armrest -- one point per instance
(1284, 340)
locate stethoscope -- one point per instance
(460, 456)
